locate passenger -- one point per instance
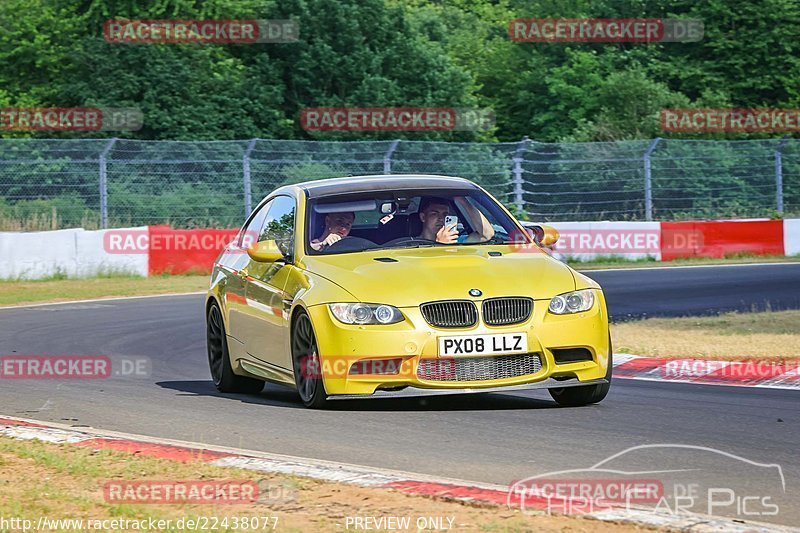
(337, 226)
(433, 210)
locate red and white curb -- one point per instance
(766, 375)
(413, 484)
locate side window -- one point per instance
(251, 231)
(279, 224)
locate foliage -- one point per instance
(371, 53)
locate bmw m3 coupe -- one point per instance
(371, 286)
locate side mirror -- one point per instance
(265, 252)
(536, 232)
(550, 236)
(542, 234)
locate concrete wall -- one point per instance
(73, 252)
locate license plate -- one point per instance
(466, 345)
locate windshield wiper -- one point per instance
(410, 245)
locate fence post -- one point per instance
(248, 186)
(648, 181)
(103, 161)
(387, 157)
(519, 202)
(779, 174)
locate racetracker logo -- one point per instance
(619, 241)
(143, 241)
(608, 241)
(605, 30)
(367, 367)
(396, 119)
(582, 496)
(181, 492)
(73, 367)
(730, 120)
(70, 119)
(712, 371)
(119, 31)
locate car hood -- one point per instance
(408, 277)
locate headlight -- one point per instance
(572, 302)
(366, 313)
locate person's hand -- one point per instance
(332, 238)
(447, 234)
(327, 241)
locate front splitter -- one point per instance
(414, 392)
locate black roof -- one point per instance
(356, 184)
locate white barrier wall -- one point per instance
(791, 236)
(81, 253)
(72, 252)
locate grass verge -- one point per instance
(67, 482)
(60, 290)
(763, 336)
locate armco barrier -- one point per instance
(157, 250)
(721, 238)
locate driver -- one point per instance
(432, 211)
(337, 226)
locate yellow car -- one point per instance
(370, 286)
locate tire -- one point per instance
(579, 396)
(305, 360)
(219, 360)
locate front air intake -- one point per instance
(506, 311)
(450, 313)
(571, 355)
(479, 368)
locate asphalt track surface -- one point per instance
(496, 438)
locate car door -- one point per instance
(235, 263)
(267, 327)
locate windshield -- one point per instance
(400, 219)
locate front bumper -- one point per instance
(412, 340)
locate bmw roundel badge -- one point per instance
(475, 292)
